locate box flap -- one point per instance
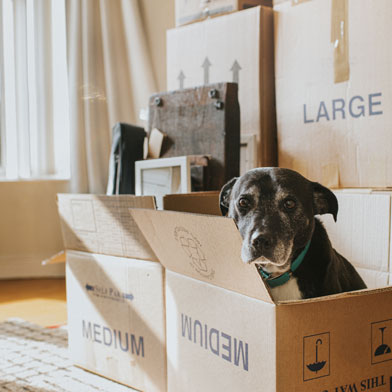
(59, 257)
(101, 224)
(206, 248)
(196, 202)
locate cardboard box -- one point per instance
(115, 291)
(374, 279)
(237, 47)
(195, 10)
(334, 89)
(362, 230)
(225, 331)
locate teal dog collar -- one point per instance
(282, 279)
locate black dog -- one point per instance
(274, 211)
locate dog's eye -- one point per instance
(289, 204)
(243, 203)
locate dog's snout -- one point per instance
(262, 242)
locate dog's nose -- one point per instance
(262, 242)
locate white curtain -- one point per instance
(28, 36)
(110, 80)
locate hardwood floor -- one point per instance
(40, 301)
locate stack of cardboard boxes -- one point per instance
(115, 291)
(207, 321)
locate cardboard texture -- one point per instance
(197, 202)
(101, 224)
(374, 279)
(116, 319)
(219, 323)
(116, 309)
(362, 231)
(333, 91)
(188, 11)
(237, 47)
(346, 333)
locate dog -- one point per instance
(274, 210)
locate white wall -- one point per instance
(158, 16)
(29, 228)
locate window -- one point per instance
(34, 126)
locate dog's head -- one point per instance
(274, 211)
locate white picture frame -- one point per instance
(159, 177)
(248, 153)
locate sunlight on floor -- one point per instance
(40, 301)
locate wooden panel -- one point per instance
(201, 121)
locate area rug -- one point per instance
(35, 359)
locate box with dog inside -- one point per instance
(227, 331)
(115, 291)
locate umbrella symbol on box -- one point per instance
(316, 366)
(382, 348)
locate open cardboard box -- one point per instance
(225, 333)
(115, 291)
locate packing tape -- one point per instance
(339, 39)
(330, 175)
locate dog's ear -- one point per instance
(324, 201)
(224, 196)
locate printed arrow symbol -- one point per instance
(181, 78)
(235, 68)
(206, 65)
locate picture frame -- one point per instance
(162, 176)
(248, 153)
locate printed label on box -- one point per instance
(316, 356)
(381, 341)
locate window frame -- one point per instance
(34, 144)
